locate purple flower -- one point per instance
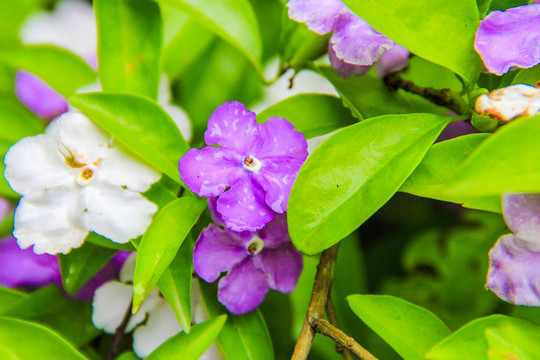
(254, 262)
(253, 170)
(354, 45)
(510, 38)
(513, 273)
(39, 97)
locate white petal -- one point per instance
(116, 213)
(119, 168)
(213, 353)
(180, 118)
(198, 312)
(160, 326)
(48, 220)
(128, 269)
(34, 164)
(84, 140)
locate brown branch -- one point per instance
(119, 333)
(324, 327)
(332, 318)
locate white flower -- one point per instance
(112, 299)
(510, 102)
(73, 180)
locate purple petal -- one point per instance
(212, 207)
(282, 266)
(217, 251)
(232, 126)
(455, 129)
(513, 273)
(209, 171)
(392, 60)
(318, 15)
(243, 289)
(522, 215)
(39, 97)
(279, 138)
(356, 42)
(276, 232)
(343, 68)
(243, 207)
(510, 38)
(24, 268)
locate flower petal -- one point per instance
(161, 325)
(119, 168)
(510, 38)
(35, 164)
(318, 15)
(356, 42)
(209, 171)
(392, 60)
(48, 220)
(38, 96)
(279, 138)
(243, 207)
(24, 268)
(282, 266)
(217, 251)
(522, 215)
(232, 126)
(243, 289)
(513, 272)
(276, 232)
(116, 213)
(344, 69)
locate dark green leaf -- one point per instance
(9, 298)
(529, 76)
(106, 243)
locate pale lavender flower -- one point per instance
(354, 45)
(254, 261)
(510, 38)
(514, 274)
(253, 170)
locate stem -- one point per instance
(332, 318)
(119, 333)
(442, 97)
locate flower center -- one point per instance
(255, 246)
(251, 163)
(85, 176)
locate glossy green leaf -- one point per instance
(106, 243)
(300, 45)
(529, 76)
(139, 124)
(190, 347)
(161, 242)
(353, 173)
(410, 329)
(175, 284)
(61, 69)
(441, 31)
(311, 114)
(506, 162)
(441, 162)
(130, 37)
(482, 337)
(28, 341)
(17, 121)
(81, 264)
(243, 337)
(233, 20)
(367, 96)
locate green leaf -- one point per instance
(61, 69)
(161, 242)
(233, 20)
(353, 173)
(24, 340)
(243, 337)
(5, 190)
(81, 264)
(302, 110)
(130, 38)
(140, 124)
(441, 31)
(190, 347)
(175, 284)
(493, 169)
(410, 329)
(528, 76)
(17, 121)
(367, 96)
(10, 297)
(106, 243)
(481, 337)
(128, 355)
(441, 162)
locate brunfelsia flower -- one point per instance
(508, 103)
(513, 273)
(254, 261)
(354, 45)
(253, 170)
(74, 180)
(510, 38)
